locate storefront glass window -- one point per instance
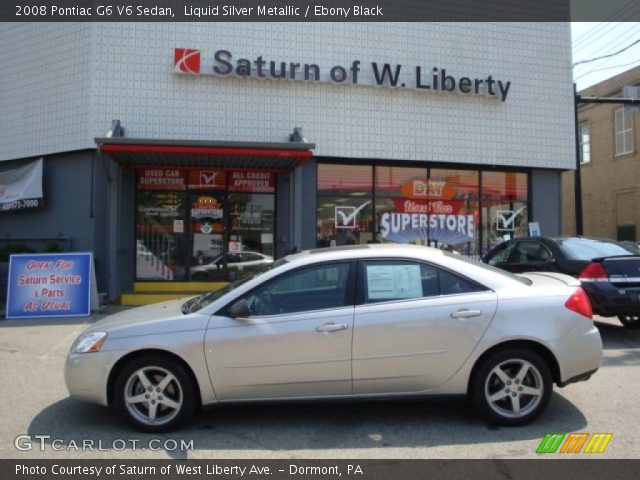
(401, 195)
(160, 243)
(345, 205)
(455, 213)
(203, 224)
(504, 207)
(444, 208)
(437, 208)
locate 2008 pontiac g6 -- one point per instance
(361, 321)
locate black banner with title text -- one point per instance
(574, 469)
(316, 10)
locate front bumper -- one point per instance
(86, 375)
(609, 300)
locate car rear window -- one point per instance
(589, 248)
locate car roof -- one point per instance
(490, 277)
(362, 251)
(581, 237)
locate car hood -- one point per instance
(157, 318)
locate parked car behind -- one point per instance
(246, 261)
(609, 271)
(633, 246)
(350, 322)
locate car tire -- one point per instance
(630, 321)
(507, 393)
(154, 393)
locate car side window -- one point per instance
(529, 252)
(452, 284)
(233, 258)
(401, 280)
(501, 254)
(312, 288)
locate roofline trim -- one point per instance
(122, 141)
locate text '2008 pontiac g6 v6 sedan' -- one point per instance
(349, 322)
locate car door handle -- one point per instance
(331, 327)
(466, 313)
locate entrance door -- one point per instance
(251, 220)
(160, 245)
(207, 220)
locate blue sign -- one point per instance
(49, 285)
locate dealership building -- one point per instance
(182, 153)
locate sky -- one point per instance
(591, 40)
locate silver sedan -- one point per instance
(361, 321)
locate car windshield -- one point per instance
(199, 302)
(477, 263)
(589, 248)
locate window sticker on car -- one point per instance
(394, 281)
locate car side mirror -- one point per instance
(239, 309)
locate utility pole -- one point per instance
(577, 100)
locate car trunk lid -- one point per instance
(550, 279)
(623, 270)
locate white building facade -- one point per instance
(446, 134)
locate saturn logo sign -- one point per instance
(186, 60)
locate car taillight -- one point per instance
(594, 272)
(579, 302)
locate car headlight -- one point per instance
(90, 342)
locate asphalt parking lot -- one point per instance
(35, 402)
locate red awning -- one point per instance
(232, 155)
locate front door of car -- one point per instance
(416, 325)
(295, 341)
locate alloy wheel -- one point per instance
(153, 395)
(514, 388)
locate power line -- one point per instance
(605, 68)
(606, 29)
(625, 11)
(608, 55)
(622, 39)
(614, 29)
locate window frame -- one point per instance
(616, 132)
(583, 144)
(360, 299)
(350, 294)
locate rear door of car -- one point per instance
(415, 325)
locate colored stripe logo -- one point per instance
(574, 443)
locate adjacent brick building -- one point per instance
(610, 165)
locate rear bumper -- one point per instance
(579, 353)
(608, 300)
(583, 377)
